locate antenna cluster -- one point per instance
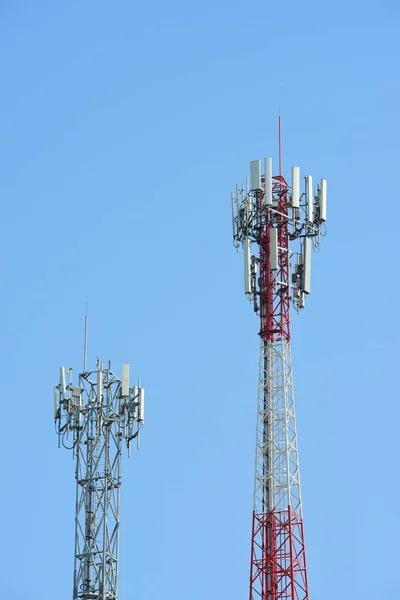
(264, 212)
(99, 394)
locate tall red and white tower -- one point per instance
(282, 225)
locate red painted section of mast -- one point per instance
(275, 305)
(278, 564)
(278, 560)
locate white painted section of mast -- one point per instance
(277, 476)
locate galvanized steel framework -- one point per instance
(273, 217)
(278, 560)
(94, 419)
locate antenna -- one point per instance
(309, 196)
(268, 181)
(280, 145)
(85, 342)
(295, 187)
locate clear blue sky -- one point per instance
(124, 127)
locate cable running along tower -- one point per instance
(93, 419)
(283, 224)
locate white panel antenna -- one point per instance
(295, 187)
(307, 251)
(322, 201)
(233, 215)
(62, 383)
(309, 195)
(255, 175)
(268, 181)
(273, 248)
(247, 262)
(125, 380)
(56, 401)
(141, 405)
(99, 385)
(76, 395)
(249, 207)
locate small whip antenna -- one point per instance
(85, 341)
(280, 144)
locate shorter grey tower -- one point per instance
(94, 418)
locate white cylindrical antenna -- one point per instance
(135, 391)
(295, 187)
(62, 382)
(255, 175)
(141, 405)
(309, 195)
(273, 248)
(56, 401)
(247, 262)
(322, 200)
(268, 181)
(306, 279)
(99, 385)
(125, 381)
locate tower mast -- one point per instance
(283, 225)
(92, 419)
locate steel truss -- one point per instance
(278, 560)
(93, 420)
(285, 224)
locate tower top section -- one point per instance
(286, 221)
(100, 394)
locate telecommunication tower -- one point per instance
(284, 224)
(93, 419)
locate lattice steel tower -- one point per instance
(284, 224)
(93, 419)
